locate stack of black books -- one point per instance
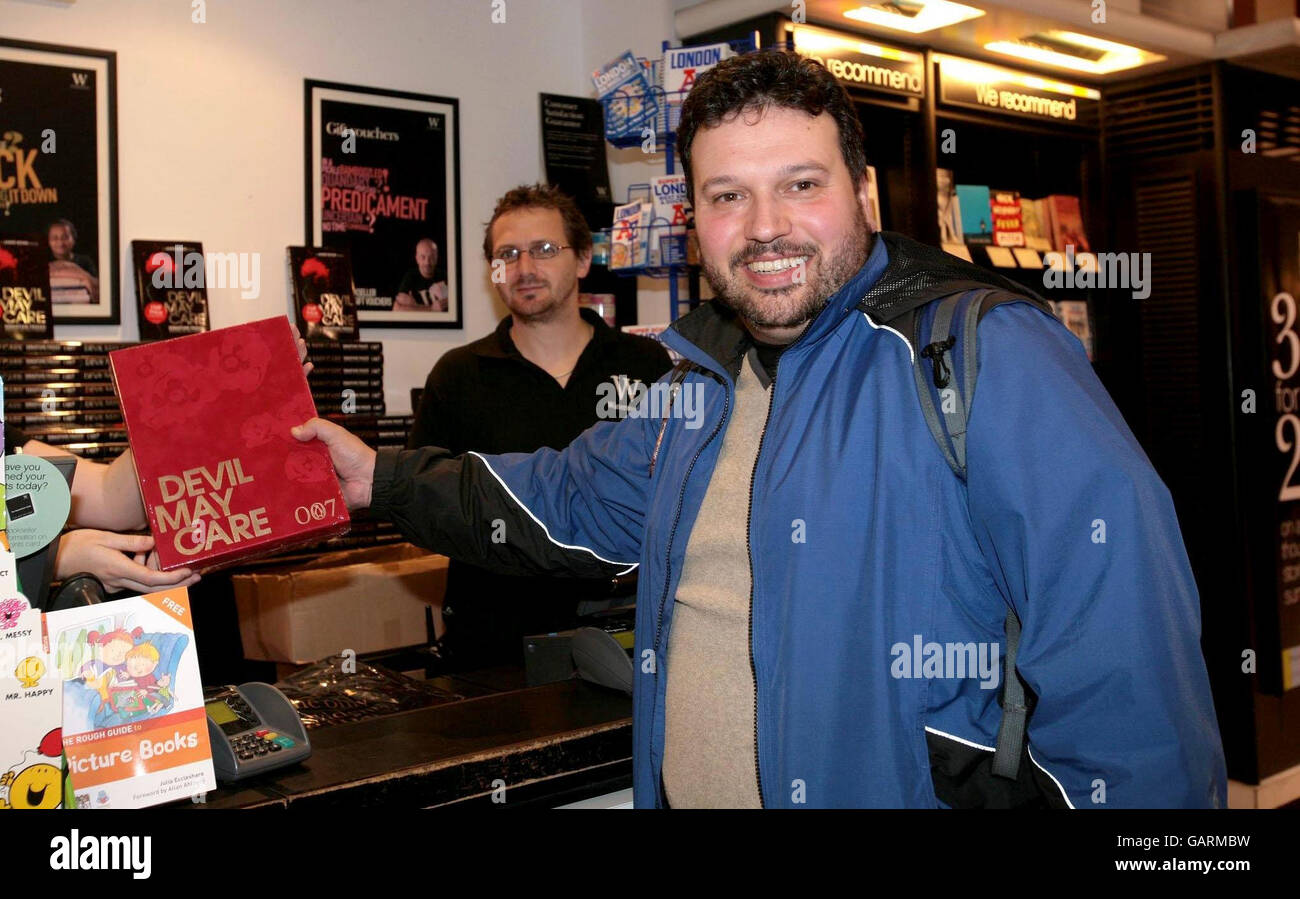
(347, 379)
(61, 393)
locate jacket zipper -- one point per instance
(668, 556)
(749, 549)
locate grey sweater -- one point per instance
(709, 751)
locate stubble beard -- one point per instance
(530, 311)
(796, 304)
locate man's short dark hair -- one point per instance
(531, 196)
(63, 223)
(752, 82)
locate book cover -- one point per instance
(171, 296)
(1034, 222)
(628, 239)
(1067, 224)
(670, 211)
(31, 707)
(25, 289)
(221, 476)
(874, 219)
(1074, 315)
(1008, 229)
(950, 233)
(323, 298)
(976, 220)
(682, 65)
(134, 728)
(625, 93)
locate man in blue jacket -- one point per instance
(821, 600)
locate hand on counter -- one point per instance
(354, 462)
(120, 561)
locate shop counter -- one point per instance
(550, 745)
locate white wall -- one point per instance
(210, 130)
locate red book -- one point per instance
(208, 417)
(1067, 223)
(1008, 231)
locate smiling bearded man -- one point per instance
(823, 516)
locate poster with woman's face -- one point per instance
(58, 179)
(382, 185)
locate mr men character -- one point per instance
(37, 781)
(30, 671)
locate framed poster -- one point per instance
(383, 183)
(1277, 617)
(58, 170)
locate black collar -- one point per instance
(503, 347)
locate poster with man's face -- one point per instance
(58, 171)
(382, 184)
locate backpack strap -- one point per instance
(1015, 713)
(948, 424)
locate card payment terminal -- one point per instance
(253, 729)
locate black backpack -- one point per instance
(936, 301)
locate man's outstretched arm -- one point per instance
(579, 511)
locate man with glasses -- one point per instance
(534, 382)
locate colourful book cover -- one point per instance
(31, 708)
(134, 728)
(625, 93)
(1008, 228)
(25, 289)
(323, 298)
(670, 212)
(976, 220)
(4, 514)
(1067, 224)
(170, 288)
(1074, 315)
(1033, 218)
(222, 477)
(682, 65)
(629, 237)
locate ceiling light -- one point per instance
(913, 16)
(1078, 52)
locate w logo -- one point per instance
(435, 123)
(80, 79)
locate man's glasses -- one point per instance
(542, 249)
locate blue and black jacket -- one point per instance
(1061, 517)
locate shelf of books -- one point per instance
(1041, 242)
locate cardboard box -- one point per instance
(364, 600)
